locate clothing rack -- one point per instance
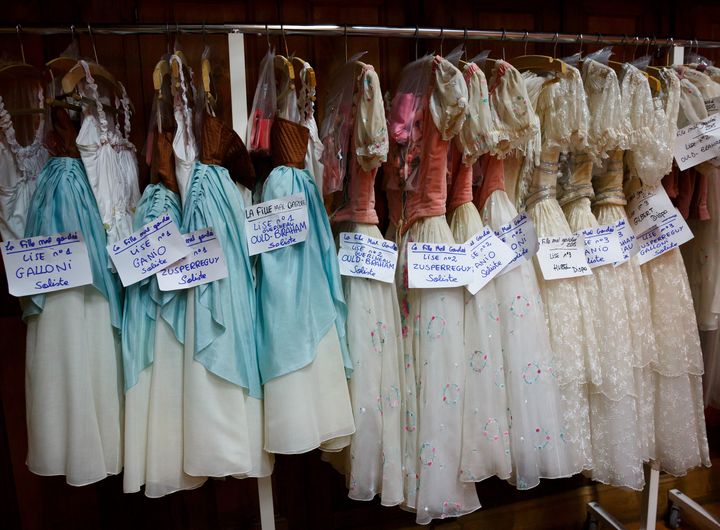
(365, 31)
(236, 47)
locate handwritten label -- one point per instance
(366, 257)
(671, 233)
(698, 142)
(712, 106)
(438, 265)
(602, 246)
(46, 263)
(628, 241)
(154, 247)
(648, 207)
(519, 234)
(205, 264)
(562, 257)
(276, 224)
(488, 255)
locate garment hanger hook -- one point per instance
(555, 41)
(442, 39)
(22, 49)
(284, 39)
(204, 35)
(267, 36)
(417, 39)
(599, 36)
(622, 45)
(647, 45)
(525, 41)
(465, 38)
(502, 43)
(580, 41)
(637, 43)
(167, 37)
(92, 42)
(346, 47)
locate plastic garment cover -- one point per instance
(263, 108)
(405, 121)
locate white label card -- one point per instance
(155, 246)
(276, 224)
(438, 265)
(562, 257)
(519, 234)
(602, 246)
(712, 106)
(366, 257)
(44, 264)
(648, 207)
(628, 241)
(671, 233)
(488, 255)
(206, 263)
(698, 142)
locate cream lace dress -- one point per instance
(568, 302)
(616, 442)
(680, 435)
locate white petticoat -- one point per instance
(154, 422)
(73, 388)
(303, 411)
(222, 425)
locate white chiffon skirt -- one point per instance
(373, 462)
(310, 407)
(73, 388)
(486, 423)
(435, 376)
(538, 440)
(222, 425)
(154, 422)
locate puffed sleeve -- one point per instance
(479, 133)
(449, 100)
(371, 134)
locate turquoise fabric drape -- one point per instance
(224, 309)
(64, 202)
(299, 290)
(144, 298)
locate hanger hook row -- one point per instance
(92, 41)
(18, 28)
(502, 41)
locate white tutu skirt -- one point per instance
(538, 445)
(572, 336)
(680, 435)
(73, 388)
(435, 375)
(154, 422)
(310, 407)
(222, 425)
(486, 425)
(373, 462)
(616, 440)
(642, 334)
